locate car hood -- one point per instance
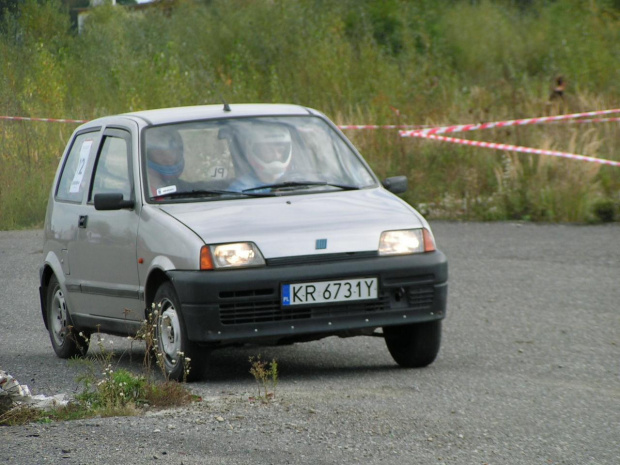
(286, 226)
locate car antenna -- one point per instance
(226, 105)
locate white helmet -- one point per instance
(269, 150)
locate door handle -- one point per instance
(82, 221)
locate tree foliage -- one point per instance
(357, 60)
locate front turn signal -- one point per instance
(206, 260)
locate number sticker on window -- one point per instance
(81, 169)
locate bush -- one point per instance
(370, 61)
(605, 210)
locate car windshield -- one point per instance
(249, 157)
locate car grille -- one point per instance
(241, 310)
(421, 298)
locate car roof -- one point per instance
(200, 112)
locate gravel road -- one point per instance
(528, 373)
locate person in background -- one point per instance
(557, 91)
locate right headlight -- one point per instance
(406, 241)
(234, 255)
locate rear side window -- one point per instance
(72, 183)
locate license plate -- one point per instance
(319, 292)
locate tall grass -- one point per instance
(359, 61)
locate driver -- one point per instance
(165, 160)
(268, 150)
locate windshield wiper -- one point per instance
(202, 193)
(293, 184)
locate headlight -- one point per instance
(406, 241)
(236, 255)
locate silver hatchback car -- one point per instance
(239, 224)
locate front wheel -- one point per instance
(414, 346)
(179, 357)
(65, 341)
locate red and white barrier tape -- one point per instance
(596, 120)
(46, 120)
(572, 118)
(503, 124)
(516, 148)
(413, 127)
(416, 127)
(385, 126)
(432, 133)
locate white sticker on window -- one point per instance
(81, 169)
(166, 190)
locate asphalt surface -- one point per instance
(528, 373)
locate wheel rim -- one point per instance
(58, 322)
(169, 333)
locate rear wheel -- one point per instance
(414, 346)
(65, 340)
(175, 351)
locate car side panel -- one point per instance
(103, 255)
(165, 243)
(61, 223)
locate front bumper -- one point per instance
(232, 306)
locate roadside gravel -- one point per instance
(529, 372)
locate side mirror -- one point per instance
(396, 184)
(113, 201)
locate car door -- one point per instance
(104, 257)
(68, 205)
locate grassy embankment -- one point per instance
(437, 62)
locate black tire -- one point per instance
(414, 346)
(65, 339)
(172, 338)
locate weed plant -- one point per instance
(111, 391)
(148, 334)
(431, 62)
(266, 377)
(108, 391)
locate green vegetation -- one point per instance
(436, 61)
(108, 391)
(266, 377)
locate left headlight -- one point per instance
(406, 241)
(235, 255)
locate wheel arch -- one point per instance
(156, 278)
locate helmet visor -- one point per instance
(269, 152)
